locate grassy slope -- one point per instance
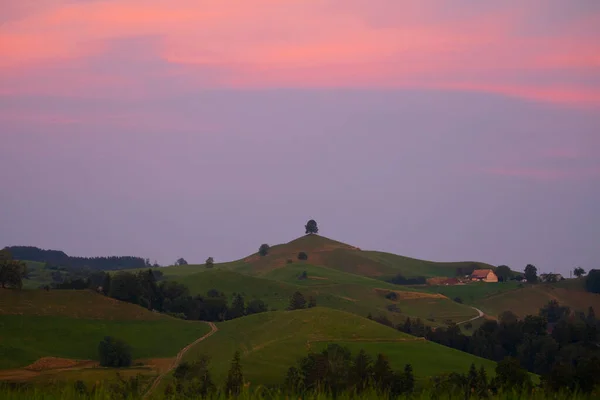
(472, 293)
(37, 275)
(335, 255)
(272, 342)
(529, 299)
(71, 303)
(331, 288)
(340, 277)
(26, 338)
(71, 323)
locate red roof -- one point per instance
(480, 273)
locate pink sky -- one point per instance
(445, 130)
(537, 50)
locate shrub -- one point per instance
(263, 250)
(458, 300)
(289, 261)
(401, 280)
(114, 353)
(392, 296)
(302, 256)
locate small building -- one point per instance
(484, 275)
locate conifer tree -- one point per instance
(235, 377)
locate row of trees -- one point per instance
(60, 258)
(336, 371)
(556, 343)
(143, 288)
(193, 379)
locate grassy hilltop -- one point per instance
(339, 276)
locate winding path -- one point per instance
(481, 314)
(213, 330)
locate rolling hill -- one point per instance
(71, 323)
(271, 342)
(331, 288)
(338, 275)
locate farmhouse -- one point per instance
(484, 275)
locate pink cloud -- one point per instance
(302, 43)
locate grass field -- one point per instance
(472, 293)
(37, 275)
(25, 338)
(272, 342)
(529, 299)
(335, 255)
(332, 288)
(71, 303)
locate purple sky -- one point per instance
(163, 131)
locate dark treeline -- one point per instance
(56, 258)
(559, 345)
(335, 371)
(402, 280)
(143, 288)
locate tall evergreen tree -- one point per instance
(235, 377)
(408, 379)
(382, 373)
(361, 372)
(237, 307)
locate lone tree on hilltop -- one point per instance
(311, 227)
(263, 250)
(531, 273)
(210, 262)
(579, 272)
(181, 261)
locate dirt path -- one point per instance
(213, 330)
(481, 315)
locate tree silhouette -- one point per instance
(531, 273)
(579, 272)
(235, 377)
(311, 227)
(263, 250)
(297, 301)
(210, 262)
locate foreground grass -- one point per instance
(25, 339)
(260, 393)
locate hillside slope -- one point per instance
(71, 324)
(341, 256)
(331, 288)
(72, 303)
(270, 343)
